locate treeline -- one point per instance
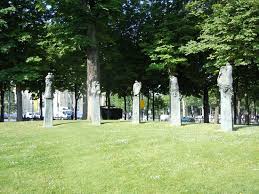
(119, 41)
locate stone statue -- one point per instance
(48, 88)
(175, 102)
(95, 89)
(136, 88)
(136, 102)
(95, 96)
(48, 111)
(174, 86)
(225, 82)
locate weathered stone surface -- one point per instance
(95, 95)
(136, 100)
(175, 105)
(225, 82)
(48, 116)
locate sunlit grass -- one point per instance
(119, 157)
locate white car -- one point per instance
(65, 114)
(164, 117)
(29, 115)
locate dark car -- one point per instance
(5, 116)
(187, 119)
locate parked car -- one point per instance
(5, 116)
(66, 114)
(28, 115)
(36, 115)
(187, 119)
(164, 117)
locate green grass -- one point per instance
(119, 157)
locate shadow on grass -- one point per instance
(143, 122)
(238, 127)
(189, 123)
(67, 123)
(103, 122)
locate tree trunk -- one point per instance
(19, 103)
(235, 107)
(41, 105)
(2, 105)
(235, 100)
(92, 65)
(9, 103)
(192, 111)
(206, 104)
(184, 108)
(148, 98)
(216, 114)
(247, 115)
(238, 111)
(84, 116)
(76, 101)
(217, 108)
(153, 105)
(255, 113)
(125, 108)
(108, 105)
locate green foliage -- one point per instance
(165, 56)
(135, 40)
(193, 101)
(21, 59)
(230, 35)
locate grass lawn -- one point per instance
(119, 157)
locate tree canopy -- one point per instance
(117, 42)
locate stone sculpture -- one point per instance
(136, 105)
(136, 88)
(175, 105)
(225, 83)
(48, 116)
(95, 95)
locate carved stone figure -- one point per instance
(48, 111)
(95, 95)
(225, 80)
(48, 88)
(136, 88)
(174, 88)
(225, 83)
(175, 105)
(136, 101)
(95, 89)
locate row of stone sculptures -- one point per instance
(225, 83)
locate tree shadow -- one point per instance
(64, 123)
(103, 122)
(238, 127)
(189, 123)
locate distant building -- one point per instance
(61, 99)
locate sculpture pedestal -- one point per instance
(226, 111)
(136, 110)
(96, 110)
(175, 109)
(48, 116)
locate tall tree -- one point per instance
(85, 19)
(231, 35)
